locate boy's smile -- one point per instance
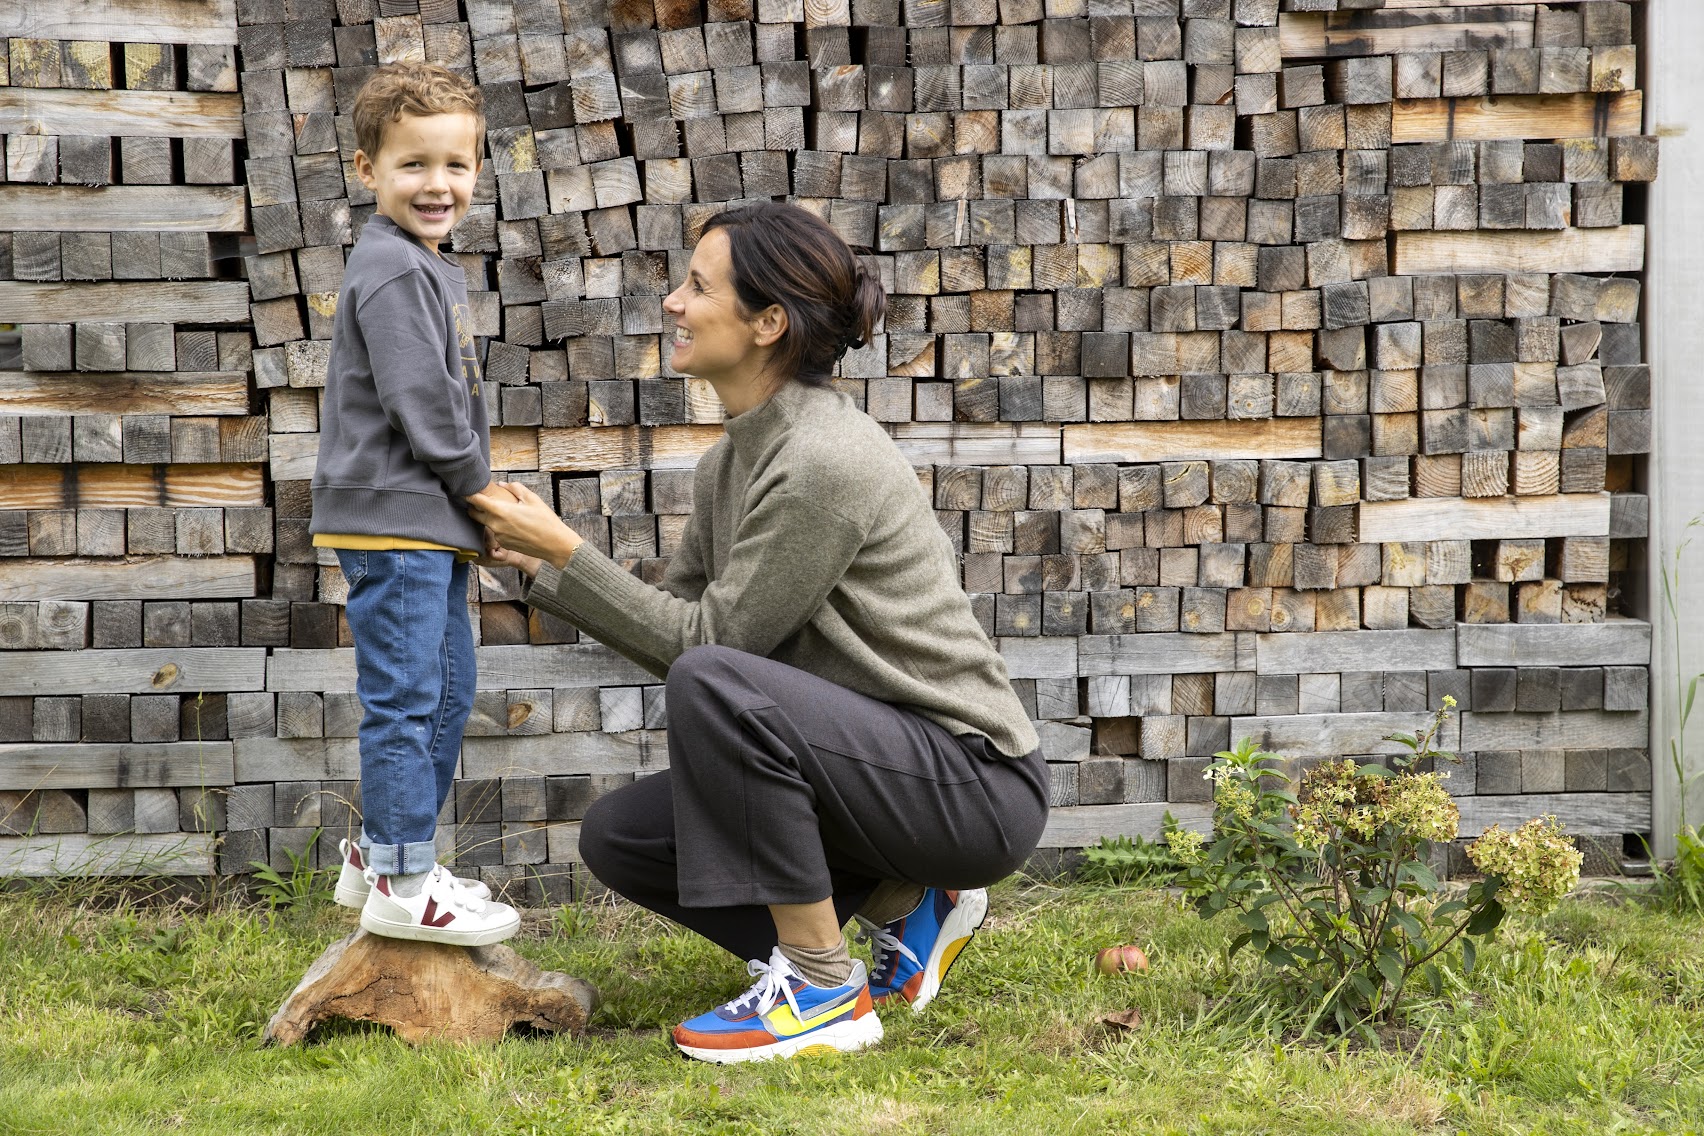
(424, 172)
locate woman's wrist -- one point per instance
(567, 544)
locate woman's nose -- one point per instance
(673, 303)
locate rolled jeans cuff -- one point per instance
(400, 859)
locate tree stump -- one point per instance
(431, 992)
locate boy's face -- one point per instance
(424, 172)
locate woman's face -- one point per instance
(712, 340)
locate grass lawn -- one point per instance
(146, 1018)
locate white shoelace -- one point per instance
(771, 986)
(883, 943)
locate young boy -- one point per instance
(404, 437)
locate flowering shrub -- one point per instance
(1331, 883)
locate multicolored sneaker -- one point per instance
(352, 885)
(913, 953)
(441, 913)
(782, 1015)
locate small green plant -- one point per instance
(1681, 884)
(302, 886)
(1130, 861)
(1331, 884)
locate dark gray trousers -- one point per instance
(783, 787)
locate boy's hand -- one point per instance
(496, 556)
(522, 524)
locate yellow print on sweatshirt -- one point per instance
(464, 341)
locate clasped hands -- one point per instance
(521, 529)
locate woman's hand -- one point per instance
(522, 530)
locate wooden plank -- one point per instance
(127, 21)
(291, 457)
(128, 208)
(1619, 642)
(148, 670)
(1175, 441)
(1318, 652)
(500, 668)
(123, 114)
(1621, 249)
(514, 448)
(124, 392)
(1393, 5)
(1079, 826)
(1556, 729)
(970, 443)
(122, 765)
(1156, 653)
(73, 854)
(585, 751)
(102, 486)
(1310, 35)
(157, 301)
(132, 578)
(1045, 656)
(597, 448)
(1492, 117)
(1606, 814)
(1491, 518)
(1332, 735)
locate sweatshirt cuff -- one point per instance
(465, 478)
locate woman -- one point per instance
(842, 736)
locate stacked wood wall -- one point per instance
(1277, 373)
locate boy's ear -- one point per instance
(364, 168)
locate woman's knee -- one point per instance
(698, 666)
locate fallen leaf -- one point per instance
(1123, 1019)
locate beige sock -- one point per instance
(821, 966)
(890, 900)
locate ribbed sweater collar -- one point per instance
(752, 432)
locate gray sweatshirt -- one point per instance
(810, 543)
(404, 435)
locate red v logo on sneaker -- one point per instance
(432, 919)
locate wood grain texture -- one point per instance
(1156, 653)
(1332, 735)
(126, 114)
(1174, 441)
(148, 670)
(1309, 35)
(1620, 249)
(586, 751)
(132, 578)
(128, 208)
(1325, 651)
(72, 854)
(130, 21)
(500, 668)
(594, 448)
(1619, 642)
(965, 443)
(1077, 826)
(161, 301)
(124, 392)
(1606, 814)
(130, 486)
(1492, 117)
(1492, 518)
(1557, 729)
(122, 765)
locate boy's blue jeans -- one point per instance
(414, 673)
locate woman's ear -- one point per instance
(770, 325)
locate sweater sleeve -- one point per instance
(788, 555)
(401, 321)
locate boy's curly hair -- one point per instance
(397, 89)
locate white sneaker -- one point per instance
(441, 913)
(352, 885)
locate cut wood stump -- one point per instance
(431, 992)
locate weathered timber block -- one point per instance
(124, 392)
(1492, 518)
(1325, 651)
(514, 448)
(1311, 35)
(295, 759)
(149, 670)
(104, 486)
(1557, 729)
(75, 854)
(500, 668)
(118, 765)
(128, 208)
(1081, 826)
(1621, 249)
(594, 448)
(1607, 814)
(964, 443)
(1619, 642)
(132, 578)
(1332, 735)
(429, 992)
(1174, 441)
(1156, 653)
(582, 752)
(125, 114)
(1039, 656)
(1517, 116)
(157, 301)
(157, 21)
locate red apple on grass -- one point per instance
(1121, 960)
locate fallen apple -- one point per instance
(1121, 960)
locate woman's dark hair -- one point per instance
(784, 255)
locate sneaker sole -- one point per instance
(348, 895)
(841, 1037)
(420, 934)
(955, 935)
